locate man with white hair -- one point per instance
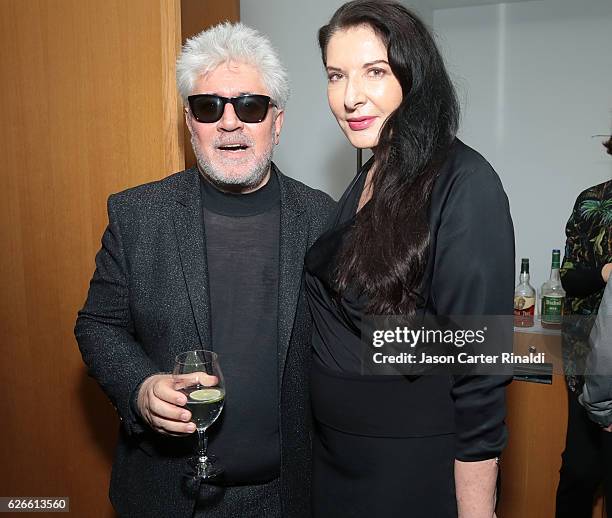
(211, 258)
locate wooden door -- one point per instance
(537, 423)
(89, 107)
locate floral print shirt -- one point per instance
(588, 246)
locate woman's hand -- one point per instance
(475, 484)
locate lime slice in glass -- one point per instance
(208, 395)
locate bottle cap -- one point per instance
(524, 265)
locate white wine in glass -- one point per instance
(204, 403)
(197, 374)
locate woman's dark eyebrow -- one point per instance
(366, 65)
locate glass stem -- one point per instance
(202, 443)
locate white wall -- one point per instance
(312, 147)
(535, 82)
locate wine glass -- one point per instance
(197, 374)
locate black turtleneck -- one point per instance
(242, 248)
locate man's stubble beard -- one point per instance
(253, 179)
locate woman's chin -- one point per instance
(364, 139)
(362, 142)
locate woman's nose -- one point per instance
(354, 95)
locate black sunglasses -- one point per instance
(249, 108)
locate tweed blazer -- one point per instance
(148, 301)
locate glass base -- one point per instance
(206, 468)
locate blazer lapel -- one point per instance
(187, 216)
(293, 243)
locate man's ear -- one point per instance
(188, 120)
(278, 124)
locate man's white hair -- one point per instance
(228, 42)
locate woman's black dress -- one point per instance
(385, 446)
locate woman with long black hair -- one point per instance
(424, 228)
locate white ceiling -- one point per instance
(449, 4)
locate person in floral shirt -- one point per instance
(587, 459)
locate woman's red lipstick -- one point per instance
(360, 123)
